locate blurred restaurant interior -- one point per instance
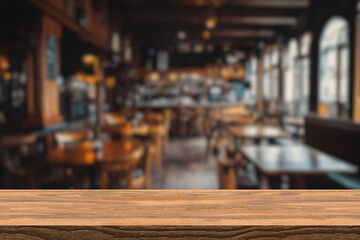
(180, 94)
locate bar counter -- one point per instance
(110, 214)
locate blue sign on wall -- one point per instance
(51, 55)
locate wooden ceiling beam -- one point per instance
(138, 15)
(150, 27)
(289, 4)
(264, 20)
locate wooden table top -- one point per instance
(295, 121)
(295, 159)
(142, 130)
(179, 208)
(16, 140)
(257, 132)
(159, 214)
(85, 154)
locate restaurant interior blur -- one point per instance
(180, 94)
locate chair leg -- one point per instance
(104, 180)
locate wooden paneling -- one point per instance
(95, 214)
(49, 91)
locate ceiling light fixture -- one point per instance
(206, 34)
(181, 35)
(211, 22)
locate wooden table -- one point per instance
(110, 214)
(24, 144)
(296, 161)
(103, 155)
(86, 154)
(256, 133)
(158, 131)
(296, 122)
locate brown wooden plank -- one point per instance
(113, 214)
(174, 232)
(179, 208)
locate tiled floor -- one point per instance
(184, 166)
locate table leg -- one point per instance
(104, 180)
(264, 182)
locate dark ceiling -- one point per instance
(241, 23)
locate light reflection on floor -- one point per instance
(184, 166)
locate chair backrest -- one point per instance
(67, 138)
(152, 117)
(226, 172)
(114, 119)
(241, 110)
(17, 140)
(145, 166)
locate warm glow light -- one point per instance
(181, 35)
(154, 77)
(80, 76)
(241, 73)
(173, 77)
(88, 59)
(91, 79)
(7, 76)
(211, 22)
(198, 48)
(110, 82)
(4, 63)
(206, 34)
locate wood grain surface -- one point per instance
(111, 214)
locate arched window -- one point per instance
(302, 76)
(266, 77)
(271, 74)
(333, 95)
(251, 77)
(289, 79)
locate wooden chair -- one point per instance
(23, 172)
(114, 119)
(152, 117)
(121, 175)
(167, 123)
(238, 110)
(141, 178)
(74, 177)
(231, 167)
(225, 169)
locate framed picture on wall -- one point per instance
(51, 56)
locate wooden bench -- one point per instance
(340, 138)
(152, 214)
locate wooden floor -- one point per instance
(184, 166)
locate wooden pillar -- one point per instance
(42, 89)
(314, 72)
(356, 79)
(260, 83)
(281, 75)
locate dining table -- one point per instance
(297, 162)
(97, 155)
(156, 131)
(255, 133)
(296, 122)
